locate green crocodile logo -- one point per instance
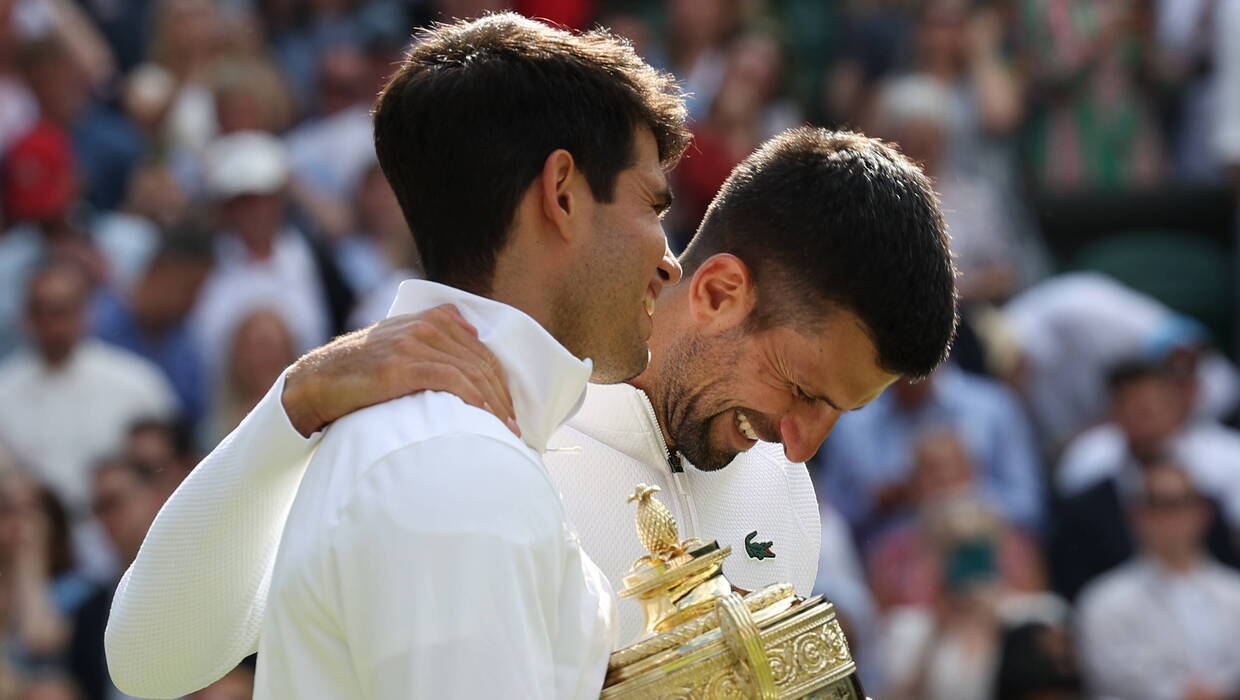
(758, 550)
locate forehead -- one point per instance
(646, 173)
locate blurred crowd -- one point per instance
(189, 199)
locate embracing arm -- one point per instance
(190, 606)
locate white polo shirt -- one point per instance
(192, 604)
(427, 554)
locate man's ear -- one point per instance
(561, 200)
(722, 292)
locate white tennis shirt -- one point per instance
(192, 604)
(427, 554)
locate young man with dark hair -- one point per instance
(529, 163)
(426, 540)
(722, 375)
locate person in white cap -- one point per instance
(262, 261)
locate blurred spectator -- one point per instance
(1072, 328)
(960, 47)
(912, 564)
(125, 498)
(237, 684)
(1094, 123)
(1151, 410)
(841, 579)
(260, 350)
(697, 45)
(912, 111)
(381, 255)
(1226, 136)
(1038, 662)
(1160, 627)
(955, 650)
(1185, 35)
(1102, 470)
(301, 32)
(105, 145)
(18, 109)
(67, 401)
(183, 39)
(330, 152)
(41, 590)
(152, 320)
(163, 448)
(749, 106)
(250, 95)
(866, 465)
(876, 41)
(65, 22)
(48, 685)
(261, 260)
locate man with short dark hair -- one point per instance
(1161, 625)
(426, 540)
(529, 163)
(722, 373)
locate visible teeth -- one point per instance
(743, 424)
(648, 302)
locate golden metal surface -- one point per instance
(768, 645)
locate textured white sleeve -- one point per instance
(191, 605)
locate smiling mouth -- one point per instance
(648, 302)
(742, 424)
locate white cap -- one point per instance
(246, 162)
(913, 98)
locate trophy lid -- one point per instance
(676, 580)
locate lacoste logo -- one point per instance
(758, 550)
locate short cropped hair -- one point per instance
(469, 119)
(1130, 371)
(827, 218)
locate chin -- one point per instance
(626, 365)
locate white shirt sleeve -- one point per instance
(191, 605)
(444, 592)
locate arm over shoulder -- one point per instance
(191, 605)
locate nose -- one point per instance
(669, 269)
(802, 433)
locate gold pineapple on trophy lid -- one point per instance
(704, 640)
(656, 526)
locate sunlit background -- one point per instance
(189, 198)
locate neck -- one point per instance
(1179, 562)
(654, 381)
(523, 284)
(56, 359)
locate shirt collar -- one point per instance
(546, 381)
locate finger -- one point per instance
(468, 346)
(456, 313)
(443, 376)
(470, 381)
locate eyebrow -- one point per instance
(827, 400)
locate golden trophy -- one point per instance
(704, 641)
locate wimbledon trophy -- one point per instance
(704, 641)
